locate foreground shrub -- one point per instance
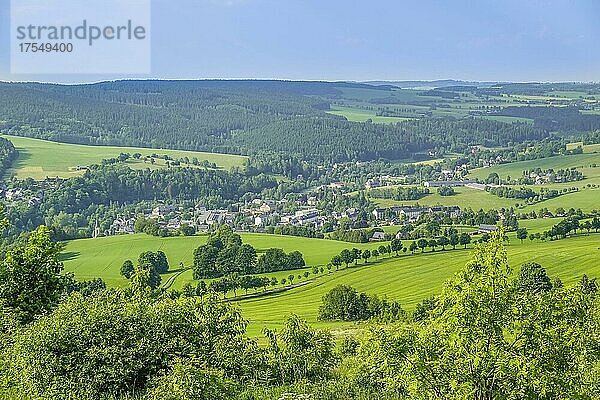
(112, 345)
(186, 381)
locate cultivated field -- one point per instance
(39, 159)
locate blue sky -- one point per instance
(526, 40)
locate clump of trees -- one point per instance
(446, 191)
(400, 193)
(344, 303)
(224, 254)
(155, 263)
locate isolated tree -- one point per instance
(347, 256)
(522, 234)
(291, 278)
(356, 254)
(382, 250)
(443, 241)
(336, 261)
(246, 282)
(127, 269)
(162, 264)
(234, 282)
(453, 240)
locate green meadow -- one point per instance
(586, 198)
(360, 115)
(579, 161)
(103, 257)
(408, 278)
(39, 159)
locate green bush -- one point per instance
(111, 346)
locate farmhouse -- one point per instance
(377, 237)
(486, 228)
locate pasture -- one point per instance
(39, 159)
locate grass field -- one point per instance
(587, 148)
(586, 198)
(580, 161)
(39, 159)
(465, 197)
(411, 278)
(360, 115)
(103, 257)
(408, 278)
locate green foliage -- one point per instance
(344, 303)
(299, 352)
(113, 345)
(127, 269)
(186, 381)
(485, 339)
(8, 155)
(30, 276)
(446, 191)
(278, 260)
(532, 278)
(107, 185)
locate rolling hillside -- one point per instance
(39, 159)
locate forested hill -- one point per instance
(339, 140)
(242, 117)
